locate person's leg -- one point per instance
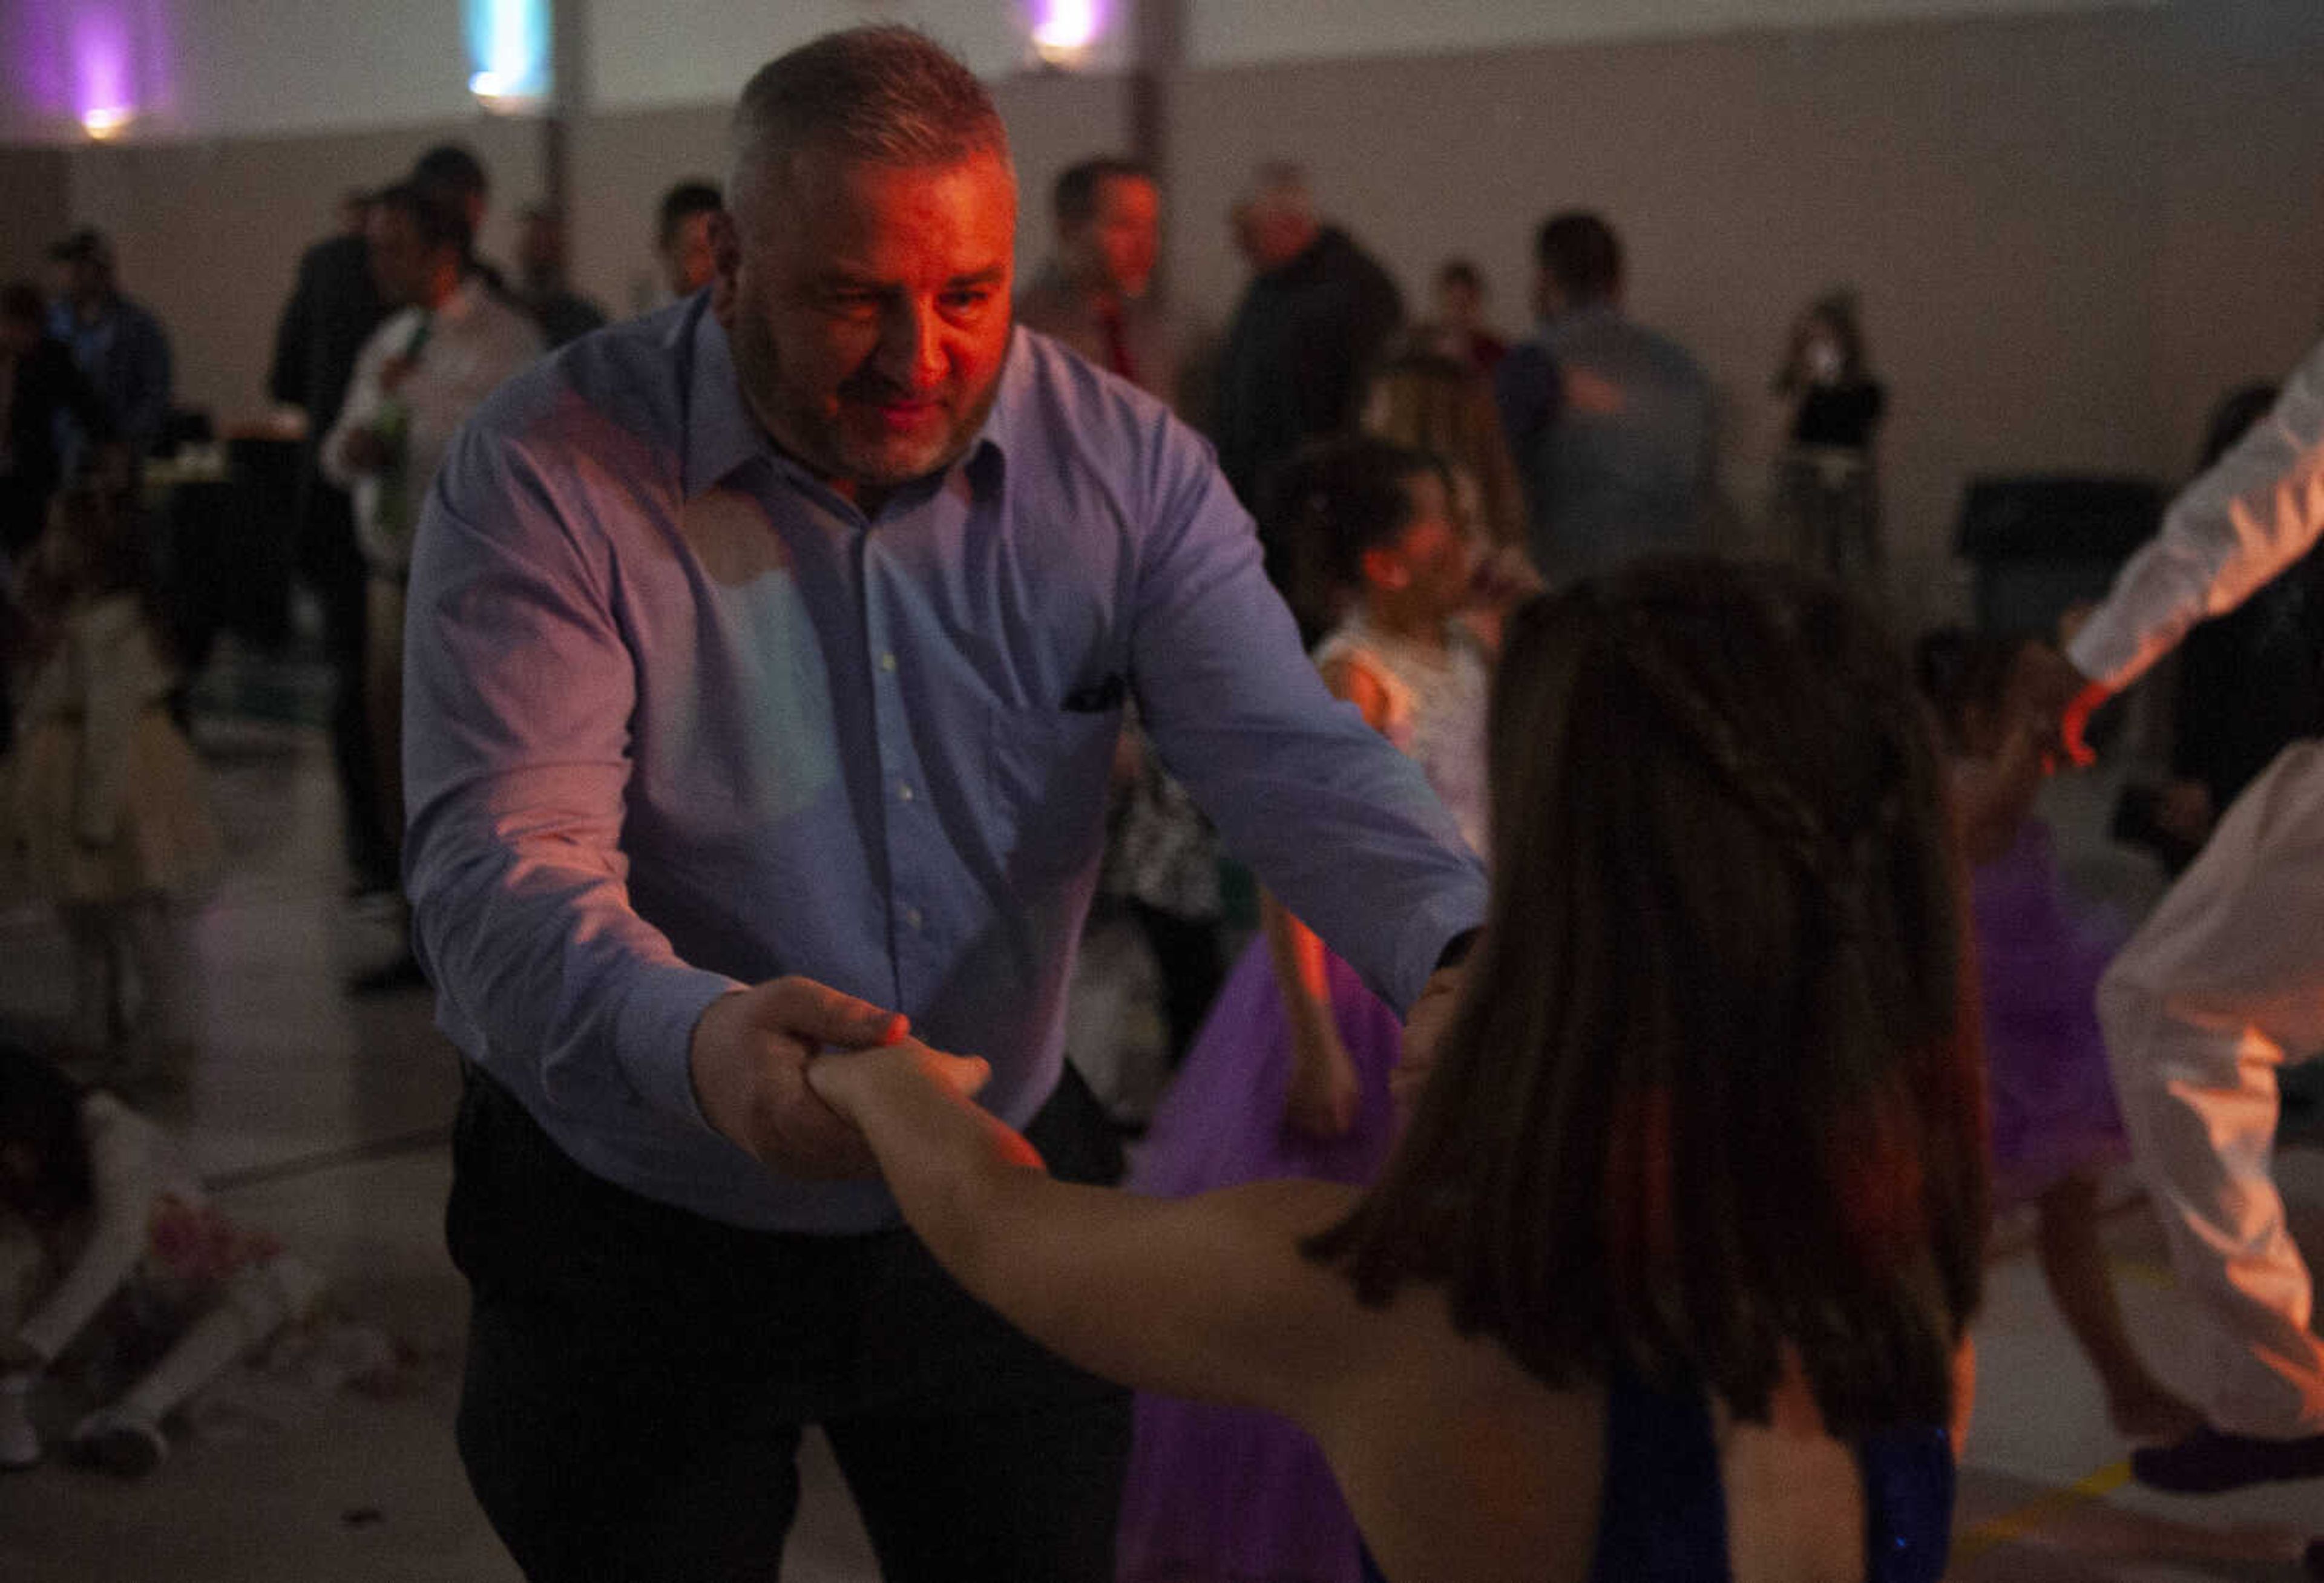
(1027, 1491)
(96, 975)
(973, 1452)
(126, 1438)
(158, 942)
(2222, 985)
(2074, 1265)
(384, 702)
(384, 698)
(636, 1376)
(334, 570)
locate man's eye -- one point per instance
(968, 299)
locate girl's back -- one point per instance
(1462, 1468)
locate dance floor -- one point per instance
(323, 1119)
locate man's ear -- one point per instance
(726, 256)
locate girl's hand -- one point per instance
(852, 1082)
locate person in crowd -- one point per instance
(103, 812)
(452, 174)
(1316, 316)
(1827, 494)
(450, 342)
(2055, 1127)
(41, 387)
(1161, 869)
(1095, 294)
(1672, 1275)
(135, 1263)
(2221, 986)
(1611, 422)
(335, 306)
(767, 663)
(682, 239)
(1457, 328)
(2250, 682)
(1420, 396)
(562, 313)
(1289, 1076)
(39, 383)
(119, 345)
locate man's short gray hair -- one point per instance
(884, 95)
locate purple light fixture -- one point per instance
(100, 66)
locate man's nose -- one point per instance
(911, 346)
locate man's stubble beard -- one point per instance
(819, 440)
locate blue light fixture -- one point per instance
(509, 57)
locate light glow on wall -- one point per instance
(90, 67)
(509, 54)
(1064, 31)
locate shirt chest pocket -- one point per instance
(1050, 771)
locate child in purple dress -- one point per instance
(2055, 1127)
(1289, 1075)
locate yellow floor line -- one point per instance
(2012, 1526)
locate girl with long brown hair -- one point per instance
(1671, 1274)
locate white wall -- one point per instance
(1248, 31)
(261, 67)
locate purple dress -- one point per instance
(1224, 1495)
(2038, 965)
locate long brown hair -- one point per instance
(1713, 1091)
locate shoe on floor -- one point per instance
(120, 1443)
(2210, 1461)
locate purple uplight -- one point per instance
(100, 55)
(99, 63)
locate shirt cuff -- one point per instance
(2105, 650)
(654, 1035)
(1435, 929)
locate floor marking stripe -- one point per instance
(2012, 1526)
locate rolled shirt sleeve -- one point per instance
(2257, 511)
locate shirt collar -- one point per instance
(722, 432)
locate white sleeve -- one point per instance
(361, 405)
(2253, 514)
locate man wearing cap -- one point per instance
(119, 345)
(767, 657)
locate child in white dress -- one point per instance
(102, 809)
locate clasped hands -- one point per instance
(751, 1049)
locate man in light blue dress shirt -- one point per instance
(766, 658)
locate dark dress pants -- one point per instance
(334, 568)
(638, 1378)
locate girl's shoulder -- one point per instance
(1450, 1450)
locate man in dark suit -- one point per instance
(333, 309)
(38, 380)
